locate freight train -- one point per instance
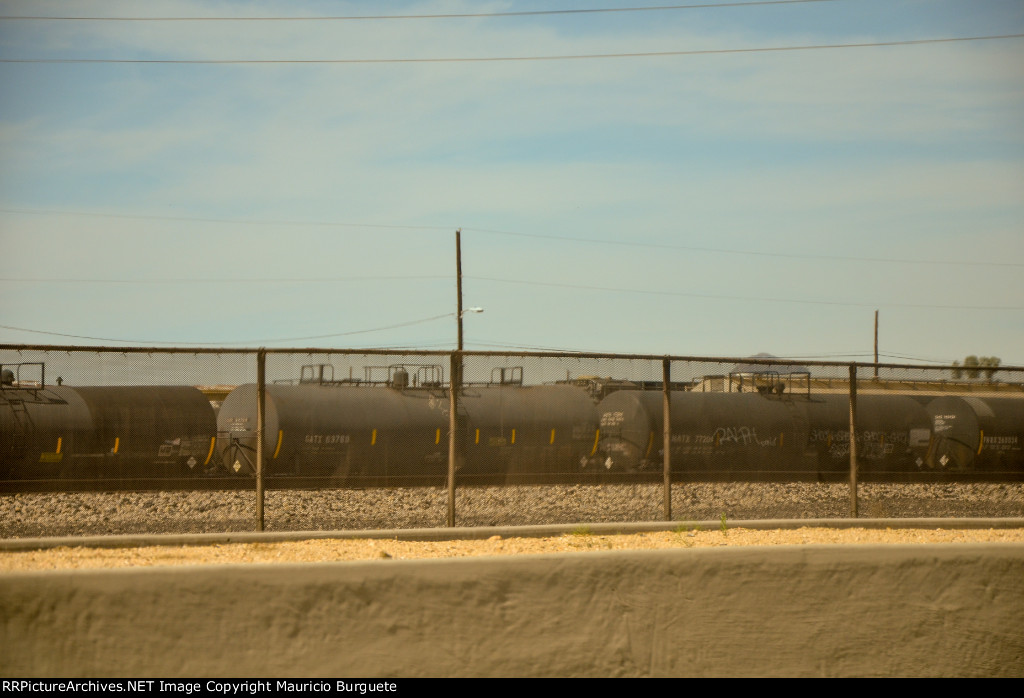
(395, 431)
(732, 434)
(57, 432)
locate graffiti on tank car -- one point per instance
(828, 435)
(745, 436)
(871, 445)
(874, 450)
(441, 404)
(887, 437)
(870, 451)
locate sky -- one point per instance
(297, 182)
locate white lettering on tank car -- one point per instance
(328, 438)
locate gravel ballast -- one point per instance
(94, 513)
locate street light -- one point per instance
(462, 313)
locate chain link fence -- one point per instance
(113, 441)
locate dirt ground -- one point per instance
(580, 541)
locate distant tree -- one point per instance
(971, 363)
(973, 366)
(991, 363)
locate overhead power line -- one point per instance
(539, 236)
(494, 344)
(754, 253)
(501, 59)
(944, 362)
(235, 342)
(261, 280)
(255, 279)
(462, 15)
(234, 221)
(862, 354)
(742, 298)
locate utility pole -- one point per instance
(876, 345)
(454, 383)
(458, 280)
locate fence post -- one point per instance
(853, 440)
(666, 372)
(454, 385)
(261, 419)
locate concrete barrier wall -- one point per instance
(950, 610)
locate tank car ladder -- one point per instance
(18, 439)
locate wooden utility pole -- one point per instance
(853, 440)
(876, 344)
(666, 464)
(261, 426)
(455, 382)
(458, 281)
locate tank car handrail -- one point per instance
(316, 373)
(507, 375)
